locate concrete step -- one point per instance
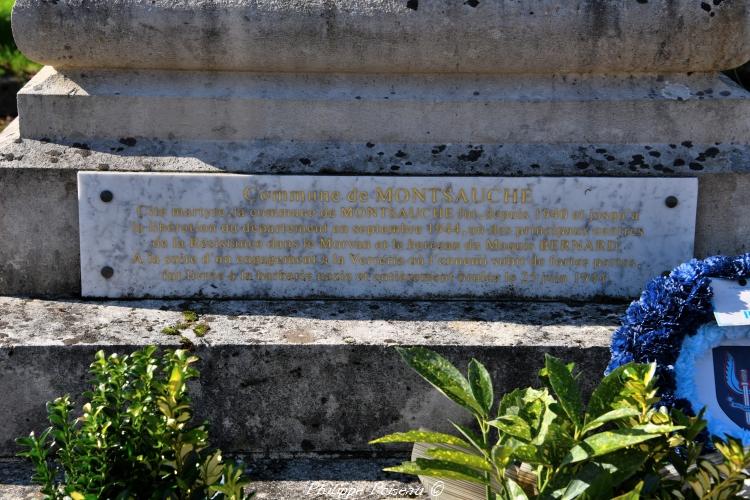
(295, 478)
(291, 377)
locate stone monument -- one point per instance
(488, 178)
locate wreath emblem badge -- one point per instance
(732, 382)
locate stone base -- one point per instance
(39, 192)
(433, 109)
(280, 378)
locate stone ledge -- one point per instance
(290, 377)
(297, 478)
(686, 157)
(469, 109)
(44, 323)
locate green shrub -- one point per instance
(133, 438)
(11, 60)
(620, 444)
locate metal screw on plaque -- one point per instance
(106, 196)
(107, 272)
(671, 201)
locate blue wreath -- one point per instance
(671, 307)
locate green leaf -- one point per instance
(693, 425)
(599, 479)
(421, 437)
(175, 381)
(530, 454)
(618, 414)
(438, 468)
(547, 421)
(565, 387)
(212, 469)
(501, 456)
(515, 492)
(471, 437)
(481, 385)
(439, 372)
(460, 458)
(658, 429)
(232, 485)
(607, 393)
(606, 442)
(26, 442)
(511, 402)
(512, 425)
(593, 480)
(634, 494)
(623, 465)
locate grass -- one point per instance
(12, 62)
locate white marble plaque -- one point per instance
(276, 236)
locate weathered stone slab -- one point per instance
(393, 36)
(85, 105)
(283, 377)
(265, 236)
